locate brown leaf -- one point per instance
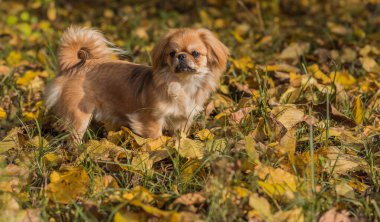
(190, 199)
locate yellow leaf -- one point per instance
(261, 208)
(344, 190)
(101, 150)
(11, 140)
(150, 209)
(27, 78)
(188, 169)
(295, 80)
(242, 192)
(139, 140)
(50, 159)
(205, 134)
(338, 162)
(29, 116)
(68, 184)
(155, 144)
(14, 58)
(129, 217)
(237, 36)
(277, 183)
(288, 143)
(244, 63)
(343, 77)
(115, 137)
(205, 18)
(358, 110)
(52, 11)
(190, 148)
(318, 74)
(3, 114)
(142, 162)
(289, 116)
(13, 177)
(103, 182)
(251, 149)
(38, 142)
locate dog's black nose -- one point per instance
(181, 56)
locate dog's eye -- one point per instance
(172, 54)
(195, 54)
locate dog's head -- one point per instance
(190, 51)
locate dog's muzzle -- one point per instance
(184, 67)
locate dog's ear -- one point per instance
(217, 52)
(158, 52)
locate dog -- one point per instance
(186, 67)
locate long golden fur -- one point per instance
(187, 64)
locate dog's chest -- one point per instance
(186, 103)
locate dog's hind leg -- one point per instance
(79, 123)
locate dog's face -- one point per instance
(190, 51)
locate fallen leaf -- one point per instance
(318, 74)
(358, 110)
(68, 184)
(129, 216)
(189, 168)
(277, 183)
(3, 114)
(102, 150)
(13, 178)
(238, 116)
(337, 28)
(344, 190)
(142, 162)
(287, 144)
(341, 163)
(281, 67)
(103, 182)
(343, 78)
(139, 193)
(150, 209)
(294, 50)
(288, 116)
(13, 59)
(190, 199)
(370, 65)
(12, 140)
(261, 208)
(190, 148)
(205, 134)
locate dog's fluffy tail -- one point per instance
(79, 44)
